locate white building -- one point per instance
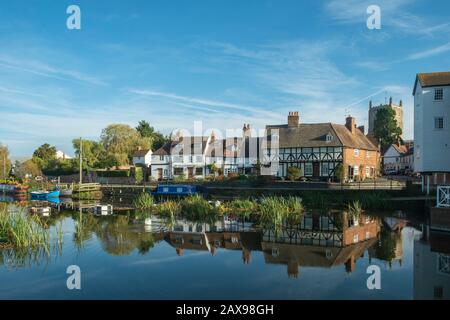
(432, 127)
(60, 155)
(142, 158)
(392, 158)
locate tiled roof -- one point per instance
(432, 79)
(140, 153)
(314, 135)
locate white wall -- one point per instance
(431, 146)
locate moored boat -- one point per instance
(44, 195)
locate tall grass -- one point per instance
(197, 208)
(355, 209)
(19, 230)
(276, 212)
(168, 209)
(241, 208)
(144, 201)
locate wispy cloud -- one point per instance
(40, 68)
(430, 52)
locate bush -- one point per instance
(294, 173)
(144, 201)
(138, 175)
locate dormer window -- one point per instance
(328, 137)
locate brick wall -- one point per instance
(361, 159)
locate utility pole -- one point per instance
(81, 161)
(4, 165)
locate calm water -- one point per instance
(121, 258)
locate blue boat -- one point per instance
(44, 195)
(176, 190)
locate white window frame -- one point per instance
(356, 152)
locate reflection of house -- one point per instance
(432, 266)
(318, 148)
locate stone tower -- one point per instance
(373, 110)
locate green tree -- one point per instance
(386, 129)
(45, 156)
(27, 168)
(5, 162)
(294, 173)
(94, 154)
(339, 172)
(146, 131)
(121, 141)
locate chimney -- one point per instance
(370, 104)
(293, 119)
(246, 131)
(350, 123)
(362, 129)
(390, 101)
(401, 103)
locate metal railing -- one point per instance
(443, 197)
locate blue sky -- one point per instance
(222, 62)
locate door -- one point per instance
(159, 174)
(190, 173)
(316, 169)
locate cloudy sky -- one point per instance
(223, 62)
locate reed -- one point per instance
(20, 230)
(168, 209)
(355, 209)
(144, 201)
(241, 208)
(196, 208)
(276, 212)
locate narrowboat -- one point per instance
(176, 190)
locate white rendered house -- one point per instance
(432, 127)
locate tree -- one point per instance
(44, 155)
(121, 141)
(386, 129)
(294, 173)
(146, 131)
(339, 172)
(27, 169)
(5, 162)
(94, 154)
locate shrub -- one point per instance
(138, 175)
(144, 201)
(113, 173)
(294, 173)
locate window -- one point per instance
(367, 171)
(356, 170)
(356, 238)
(325, 169)
(198, 171)
(367, 235)
(329, 137)
(178, 171)
(439, 94)
(166, 172)
(439, 123)
(161, 158)
(356, 152)
(308, 169)
(367, 154)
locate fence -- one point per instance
(443, 197)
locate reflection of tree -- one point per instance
(114, 233)
(385, 250)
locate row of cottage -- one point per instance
(316, 149)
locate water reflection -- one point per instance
(322, 241)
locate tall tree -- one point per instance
(5, 162)
(120, 141)
(386, 129)
(93, 153)
(27, 168)
(44, 156)
(147, 131)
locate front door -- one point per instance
(316, 169)
(159, 174)
(190, 173)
